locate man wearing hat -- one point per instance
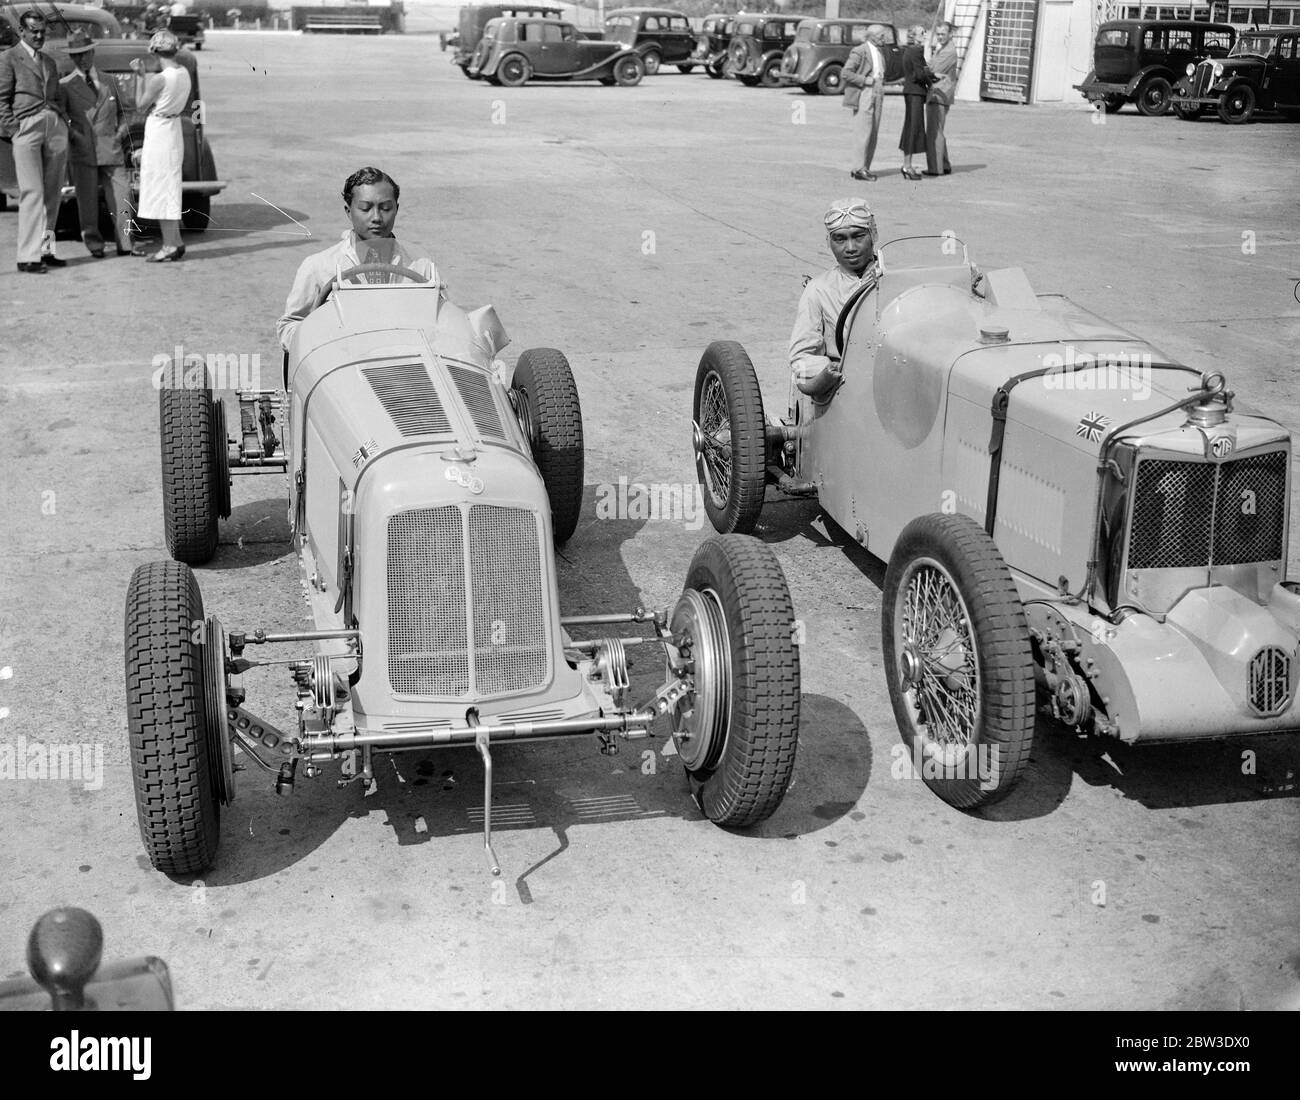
(94, 103)
(814, 355)
(34, 116)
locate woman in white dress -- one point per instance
(163, 155)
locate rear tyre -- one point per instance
(830, 83)
(195, 474)
(1154, 96)
(747, 80)
(770, 76)
(715, 69)
(171, 742)
(1112, 103)
(738, 730)
(514, 71)
(957, 660)
(1237, 104)
(653, 62)
(810, 89)
(729, 435)
(546, 402)
(628, 71)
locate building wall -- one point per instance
(1062, 57)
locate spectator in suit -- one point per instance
(917, 78)
(34, 116)
(864, 94)
(95, 105)
(937, 101)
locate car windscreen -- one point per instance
(621, 28)
(806, 33)
(1261, 45)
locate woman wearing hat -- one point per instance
(163, 154)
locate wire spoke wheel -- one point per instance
(729, 436)
(715, 437)
(957, 660)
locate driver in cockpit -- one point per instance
(370, 201)
(814, 355)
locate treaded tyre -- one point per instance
(830, 83)
(729, 437)
(1154, 96)
(546, 402)
(194, 492)
(1237, 104)
(171, 749)
(514, 71)
(957, 660)
(628, 71)
(738, 731)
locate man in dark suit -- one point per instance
(94, 103)
(34, 116)
(864, 94)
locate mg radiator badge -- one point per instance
(1220, 446)
(465, 479)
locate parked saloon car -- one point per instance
(711, 44)
(660, 35)
(515, 51)
(427, 484)
(113, 54)
(1139, 61)
(757, 45)
(1261, 73)
(1058, 501)
(821, 46)
(473, 19)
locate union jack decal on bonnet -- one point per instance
(1092, 426)
(365, 451)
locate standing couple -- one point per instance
(927, 95)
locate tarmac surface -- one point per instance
(630, 227)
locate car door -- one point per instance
(1286, 88)
(558, 50)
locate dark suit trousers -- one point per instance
(117, 193)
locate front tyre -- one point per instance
(1154, 96)
(172, 750)
(729, 435)
(830, 82)
(546, 401)
(957, 660)
(628, 71)
(738, 730)
(1237, 104)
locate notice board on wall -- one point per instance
(1010, 29)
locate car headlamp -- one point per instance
(1218, 70)
(1191, 69)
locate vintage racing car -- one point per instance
(426, 486)
(1059, 503)
(514, 51)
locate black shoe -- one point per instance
(50, 260)
(947, 171)
(863, 174)
(32, 269)
(98, 252)
(123, 251)
(142, 248)
(166, 255)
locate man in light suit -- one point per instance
(864, 95)
(94, 103)
(34, 116)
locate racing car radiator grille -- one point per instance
(476, 392)
(1196, 515)
(427, 651)
(429, 628)
(510, 650)
(407, 394)
(1268, 680)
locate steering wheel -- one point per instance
(387, 269)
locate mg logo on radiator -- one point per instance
(464, 479)
(1221, 446)
(1268, 680)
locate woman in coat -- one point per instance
(944, 66)
(916, 80)
(163, 154)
